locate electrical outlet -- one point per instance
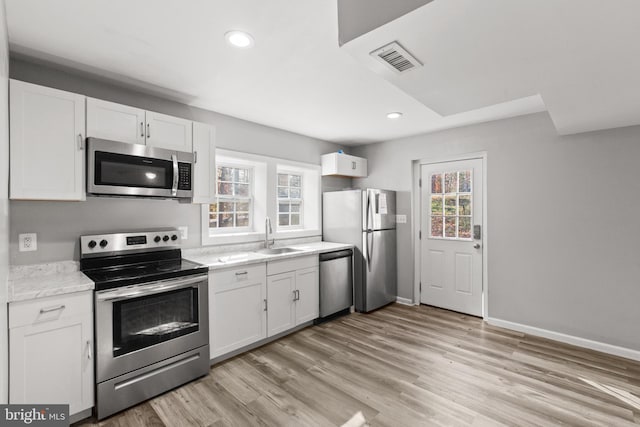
(401, 219)
(28, 242)
(184, 232)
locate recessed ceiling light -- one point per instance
(394, 115)
(239, 38)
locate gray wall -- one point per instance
(4, 202)
(59, 224)
(562, 221)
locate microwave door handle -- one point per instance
(174, 189)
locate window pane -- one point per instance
(242, 220)
(283, 192)
(436, 226)
(225, 174)
(225, 220)
(242, 206)
(295, 207)
(464, 227)
(241, 190)
(436, 183)
(295, 193)
(241, 175)
(436, 205)
(465, 182)
(283, 207)
(283, 179)
(449, 205)
(451, 182)
(213, 207)
(464, 207)
(294, 180)
(283, 219)
(295, 219)
(226, 206)
(225, 188)
(450, 226)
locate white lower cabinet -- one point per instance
(51, 351)
(293, 293)
(237, 308)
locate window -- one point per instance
(451, 205)
(233, 206)
(290, 200)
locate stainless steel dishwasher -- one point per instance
(336, 283)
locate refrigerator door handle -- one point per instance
(368, 232)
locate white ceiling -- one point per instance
(578, 59)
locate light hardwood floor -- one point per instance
(404, 366)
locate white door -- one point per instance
(307, 295)
(236, 313)
(451, 224)
(116, 122)
(168, 132)
(280, 302)
(47, 128)
(204, 174)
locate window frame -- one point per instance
(289, 200)
(234, 199)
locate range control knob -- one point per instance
(174, 237)
(157, 239)
(92, 244)
(165, 238)
(103, 243)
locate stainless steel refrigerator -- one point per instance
(366, 219)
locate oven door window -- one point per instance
(132, 171)
(142, 322)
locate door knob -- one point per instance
(476, 246)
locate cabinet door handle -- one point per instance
(142, 129)
(51, 309)
(80, 142)
(241, 273)
(265, 304)
(148, 131)
(195, 157)
(89, 350)
(296, 295)
(353, 165)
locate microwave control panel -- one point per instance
(184, 176)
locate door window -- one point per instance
(148, 320)
(451, 208)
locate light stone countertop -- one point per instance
(217, 261)
(44, 280)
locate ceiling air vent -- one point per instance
(396, 57)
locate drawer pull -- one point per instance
(49, 310)
(242, 273)
(89, 350)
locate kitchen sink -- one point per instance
(277, 251)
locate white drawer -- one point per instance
(291, 264)
(237, 276)
(40, 310)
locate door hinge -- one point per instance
(420, 235)
(420, 183)
(420, 286)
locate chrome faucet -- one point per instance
(268, 230)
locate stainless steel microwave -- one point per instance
(121, 169)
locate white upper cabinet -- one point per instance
(172, 133)
(116, 122)
(204, 174)
(344, 165)
(47, 131)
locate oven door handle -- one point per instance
(174, 188)
(149, 289)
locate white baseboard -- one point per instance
(405, 301)
(568, 339)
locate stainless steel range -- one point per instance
(151, 316)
